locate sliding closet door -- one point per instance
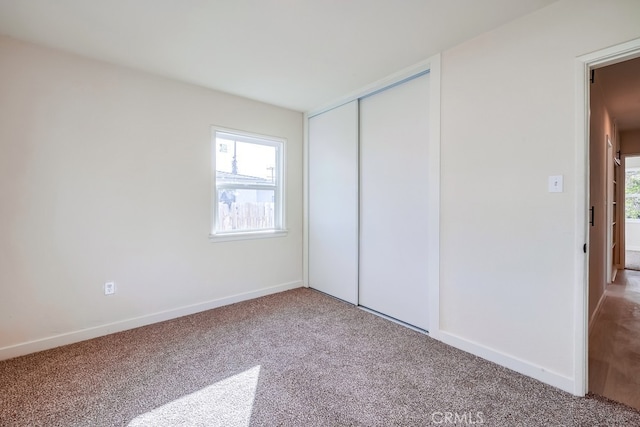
(333, 202)
(394, 136)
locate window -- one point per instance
(248, 180)
(632, 194)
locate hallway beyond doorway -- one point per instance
(614, 349)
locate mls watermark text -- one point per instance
(457, 418)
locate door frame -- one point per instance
(583, 66)
(433, 66)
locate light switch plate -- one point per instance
(555, 184)
(109, 288)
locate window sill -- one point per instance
(249, 235)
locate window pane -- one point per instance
(632, 207)
(248, 180)
(244, 162)
(632, 190)
(245, 210)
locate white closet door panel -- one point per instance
(394, 137)
(333, 202)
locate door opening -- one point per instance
(614, 192)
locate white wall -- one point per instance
(507, 245)
(105, 175)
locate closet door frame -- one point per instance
(431, 65)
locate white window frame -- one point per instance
(279, 229)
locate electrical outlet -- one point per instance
(109, 288)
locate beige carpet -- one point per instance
(298, 358)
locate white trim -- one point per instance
(521, 366)
(387, 81)
(248, 235)
(612, 55)
(305, 200)
(581, 260)
(254, 137)
(433, 217)
(280, 205)
(632, 248)
(135, 322)
(583, 64)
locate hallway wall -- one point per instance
(630, 141)
(601, 129)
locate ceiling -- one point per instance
(298, 54)
(621, 91)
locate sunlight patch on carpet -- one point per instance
(226, 403)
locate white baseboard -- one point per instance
(136, 322)
(521, 366)
(632, 248)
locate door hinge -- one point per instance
(584, 248)
(593, 76)
(592, 220)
